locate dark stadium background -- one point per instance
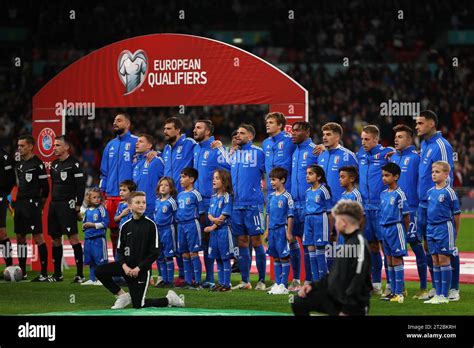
(407, 60)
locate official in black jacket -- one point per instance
(33, 190)
(138, 247)
(346, 289)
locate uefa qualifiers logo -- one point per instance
(45, 142)
(132, 69)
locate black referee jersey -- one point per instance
(68, 180)
(32, 179)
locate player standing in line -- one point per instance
(394, 210)
(278, 147)
(317, 224)
(433, 148)
(177, 155)
(349, 179)
(33, 190)
(138, 248)
(334, 157)
(94, 225)
(123, 211)
(247, 170)
(165, 210)
(303, 157)
(68, 188)
(221, 246)
(115, 167)
(443, 210)
(408, 160)
(147, 173)
(207, 159)
(279, 229)
(189, 217)
(371, 157)
(7, 182)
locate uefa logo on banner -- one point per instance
(132, 69)
(45, 142)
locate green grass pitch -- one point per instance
(34, 298)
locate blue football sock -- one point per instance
(376, 259)
(295, 258)
(314, 265)
(162, 268)
(244, 263)
(169, 269)
(92, 272)
(277, 269)
(385, 265)
(180, 263)
(220, 271)
(261, 260)
(188, 270)
(446, 275)
(197, 267)
(437, 279)
(159, 268)
(285, 272)
(391, 276)
(208, 264)
(322, 263)
(227, 272)
(429, 262)
(420, 263)
(456, 268)
(399, 279)
(307, 264)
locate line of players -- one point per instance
(248, 163)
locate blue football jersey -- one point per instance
(221, 205)
(443, 204)
(280, 208)
(165, 211)
(318, 201)
(121, 207)
(190, 206)
(99, 217)
(393, 205)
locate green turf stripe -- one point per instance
(168, 311)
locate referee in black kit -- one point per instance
(33, 190)
(138, 247)
(68, 188)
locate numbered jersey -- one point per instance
(68, 181)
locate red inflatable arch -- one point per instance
(162, 70)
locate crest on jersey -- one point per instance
(63, 176)
(96, 217)
(305, 155)
(206, 155)
(127, 146)
(392, 200)
(179, 149)
(28, 177)
(317, 198)
(429, 152)
(405, 162)
(280, 204)
(188, 200)
(336, 159)
(220, 204)
(280, 146)
(377, 156)
(441, 198)
(164, 209)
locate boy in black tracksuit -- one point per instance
(138, 248)
(346, 289)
